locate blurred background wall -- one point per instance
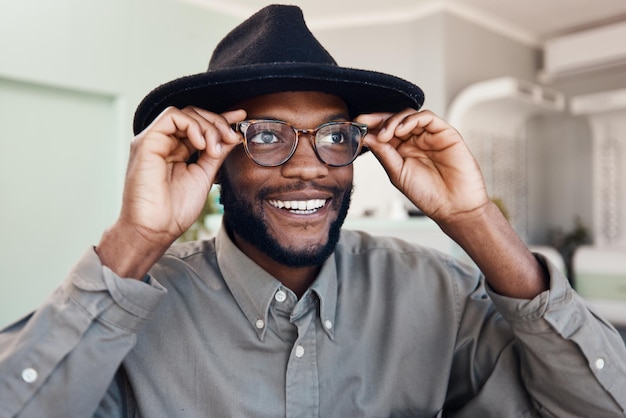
(72, 72)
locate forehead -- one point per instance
(298, 108)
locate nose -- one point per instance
(304, 163)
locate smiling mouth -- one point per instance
(300, 207)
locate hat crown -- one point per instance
(276, 34)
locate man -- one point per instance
(282, 314)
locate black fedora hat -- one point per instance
(274, 51)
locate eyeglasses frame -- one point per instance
(243, 126)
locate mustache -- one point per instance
(298, 186)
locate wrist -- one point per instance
(490, 241)
(128, 252)
(465, 225)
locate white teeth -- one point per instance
(299, 205)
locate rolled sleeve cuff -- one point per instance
(130, 302)
(553, 308)
(560, 311)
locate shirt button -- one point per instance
(29, 375)
(328, 324)
(299, 351)
(280, 296)
(259, 323)
(599, 363)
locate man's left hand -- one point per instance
(428, 161)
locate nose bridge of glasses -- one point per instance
(309, 132)
(306, 132)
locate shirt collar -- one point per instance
(254, 288)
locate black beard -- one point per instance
(240, 217)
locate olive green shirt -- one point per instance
(387, 329)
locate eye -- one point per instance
(264, 137)
(337, 137)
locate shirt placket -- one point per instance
(302, 380)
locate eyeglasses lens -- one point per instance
(337, 144)
(270, 143)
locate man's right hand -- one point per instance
(163, 193)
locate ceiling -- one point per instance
(531, 21)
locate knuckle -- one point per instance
(166, 113)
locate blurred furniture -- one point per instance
(424, 231)
(418, 230)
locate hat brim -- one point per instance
(363, 91)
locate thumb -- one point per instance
(386, 154)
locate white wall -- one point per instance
(474, 53)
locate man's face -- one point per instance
(262, 204)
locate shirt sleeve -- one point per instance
(60, 360)
(573, 362)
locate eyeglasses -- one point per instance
(271, 143)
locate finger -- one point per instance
(384, 124)
(392, 123)
(207, 124)
(222, 122)
(220, 138)
(234, 116)
(175, 122)
(424, 121)
(374, 121)
(386, 154)
(171, 135)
